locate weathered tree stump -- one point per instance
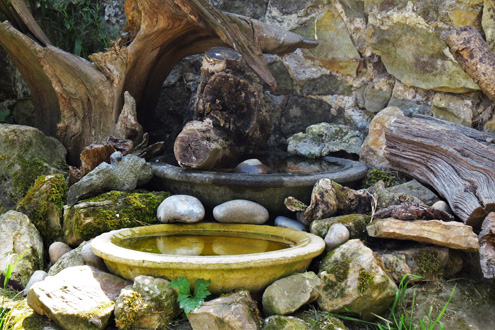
(460, 168)
(230, 114)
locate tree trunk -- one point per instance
(230, 114)
(80, 101)
(460, 168)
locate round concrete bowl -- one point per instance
(227, 273)
(270, 190)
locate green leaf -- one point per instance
(187, 301)
(200, 288)
(183, 285)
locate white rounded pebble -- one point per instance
(241, 211)
(337, 235)
(180, 208)
(56, 250)
(442, 206)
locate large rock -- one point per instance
(109, 211)
(373, 149)
(25, 154)
(148, 304)
(322, 139)
(124, 173)
(454, 235)
(20, 238)
(77, 298)
(23, 317)
(487, 246)
(180, 208)
(288, 294)
(353, 279)
(43, 204)
(232, 312)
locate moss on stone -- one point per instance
(428, 264)
(365, 279)
(355, 223)
(25, 176)
(388, 177)
(132, 306)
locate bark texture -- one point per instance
(457, 166)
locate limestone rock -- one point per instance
(355, 223)
(280, 322)
(148, 304)
(285, 222)
(353, 279)
(123, 174)
(416, 189)
(454, 108)
(488, 23)
(337, 235)
(110, 211)
(57, 250)
(322, 139)
(20, 236)
(454, 235)
(376, 100)
(25, 154)
(487, 246)
(386, 197)
(77, 297)
(373, 149)
(232, 312)
(180, 208)
(240, 211)
(288, 294)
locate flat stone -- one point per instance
(56, 250)
(232, 312)
(77, 297)
(337, 235)
(288, 294)
(240, 211)
(180, 208)
(285, 222)
(454, 235)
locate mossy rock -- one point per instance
(43, 204)
(23, 317)
(321, 320)
(110, 211)
(355, 223)
(389, 178)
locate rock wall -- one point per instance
(372, 54)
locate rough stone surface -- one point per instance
(110, 211)
(454, 235)
(180, 208)
(20, 238)
(353, 279)
(124, 173)
(337, 235)
(285, 222)
(322, 139)
(386, 197)
(232, 312)
(487, 246)
(288, 294)
(240, 211)
(453, 108)
(57, 250)
(25, 154)
(373, 149)
(23, 317)
(416, 189)
(72, 258)
(148, 304)
(92, 259)
(37, 276)
(77, 298)
(280, 322)
(355, 223)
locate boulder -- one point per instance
(43, 204)
(454, 235)
(180, 208)
(21, 243)
(353, 279)
(288, 294)
(25, 154)
(322, 139)
(355, 223)
(232, 312)
(77, 297)
(373, 148)
(124, 173)
(148, 304)
(110, 211)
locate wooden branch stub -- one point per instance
(458, 167)
(474, 56)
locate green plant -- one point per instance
(9, 269)
(400, 316)
(187, 301)
(75, 26)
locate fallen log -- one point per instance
(230, 114)
(458, 167)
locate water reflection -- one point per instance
(228, 246)
(180, 245)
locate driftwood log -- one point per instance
(472, 52)
(79, 101)
(459, 167)
(230, 114)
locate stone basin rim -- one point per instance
(306, 245)
(350, 171)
